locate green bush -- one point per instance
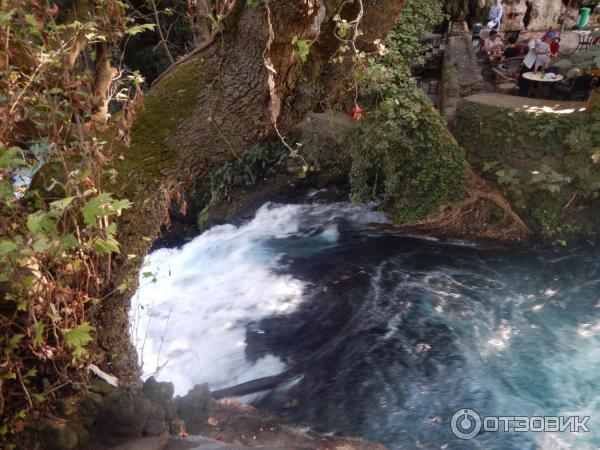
(403, 154)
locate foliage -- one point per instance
(57, 240)
(514, 133)
(583, 161)
(257, 163)
(403, 153)
(302, 46)
(142, 50)
(547, 163)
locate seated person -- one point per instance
(577, 89)
(511, 50)
(493, 44)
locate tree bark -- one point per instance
(244, 86)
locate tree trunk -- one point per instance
(245, 85)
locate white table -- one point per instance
(538, 79)
(542, 78)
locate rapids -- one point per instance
(391, 333)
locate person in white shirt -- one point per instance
(495, 16)
(493, 44)
(539, 52)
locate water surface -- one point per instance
(392, 334)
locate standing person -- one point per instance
(528, 63)
(539, 54)
(543, 50)
(552, 36)
(495, 16)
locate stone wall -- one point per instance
(509, 141)
(461, 73)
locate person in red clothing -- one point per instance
(554, 47)
(554, 43)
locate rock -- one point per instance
(156, 392)
(189, 443)
(193, 407)
(155, 427)
(58, 435)
(537, 15)
(125, 418)
(69, 406)
(103, 388)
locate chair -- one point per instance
(511, 65)
(504, 84)
(510, 33)
(576, 90)
(584, 41)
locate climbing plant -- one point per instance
(548, 164)
(402, 153)
(58, 237)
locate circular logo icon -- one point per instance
(465, 424)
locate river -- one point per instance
(391, 334)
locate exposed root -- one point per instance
(477, 216)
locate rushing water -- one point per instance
(391, 334)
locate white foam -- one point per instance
(191, 310)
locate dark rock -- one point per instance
(60, 436)
(156, 427)
(193, 407)
(161, 393)
(69, 406)
(124, 419)
(103, 388)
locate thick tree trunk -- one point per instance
(207, 109)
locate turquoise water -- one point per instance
(396, 334)
(391, 334)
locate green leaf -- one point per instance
(39, 334)
(6, 191)
(105, 246)
(139, 29)
(8, 158)
(14, 340)
(62, 204)
(41, 245)
(102, 206)
(77, 338)
(7, 246)
(68, 241)
(6, 17)
(303, 48)
(42, 224)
